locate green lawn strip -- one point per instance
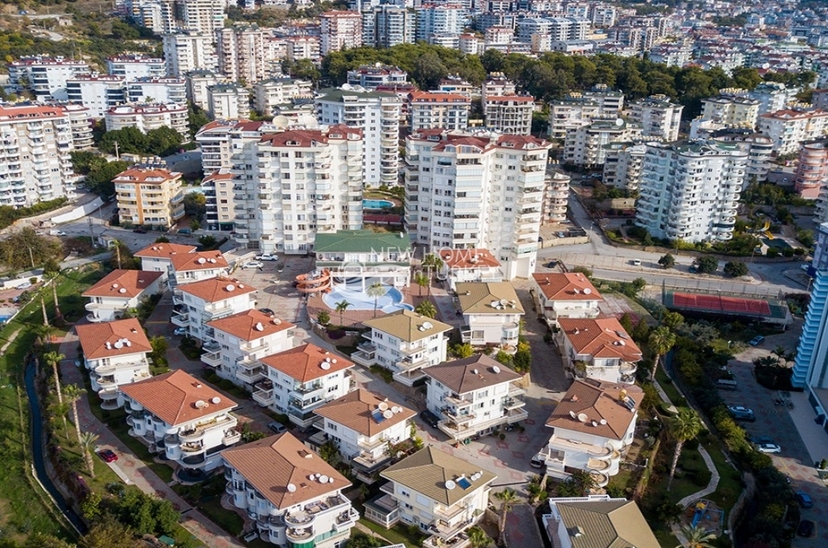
(667, 385)
(396, 535)
(666, 538)
(730, 479)
(226, 519)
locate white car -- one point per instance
(253, 264)
(768, 448)
(60, 233)
(24, 285)
(267, 257)
(181, 331)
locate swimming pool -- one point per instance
(377, 204)
(360, 300)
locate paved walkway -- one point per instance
(132, 467)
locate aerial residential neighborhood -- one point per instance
(446, 274)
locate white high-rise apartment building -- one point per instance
(149, 116)
(438, 22)
(45, 76)
(584, 145)
(197, 83)
(228, 101)
(622, 165)
(658, 117)
(136, 65)
(377, 115)
(371, 76)
(387, 26)
(690, 191)
(790, 128)
(278, 91)
(340, 30)
(477, 191)
(510, 114)
(203, 16)
(429, 110)
(733, 111)
(35, 162)
(297, 183)
(241, 54)
(96, 92)
(157, 89)
(772, 96)
(189, 51)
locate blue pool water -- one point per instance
(377, 204)
(388, 303)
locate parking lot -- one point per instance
(786, 427)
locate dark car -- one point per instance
(267, 311)
(107, 455)
(806, 528)
(429, 418)
(277, 427)
(139, 230)
(804, 499)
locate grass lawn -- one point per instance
(667, 385)
(666, 538)
(396, 535)
(226, 519)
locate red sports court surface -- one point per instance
(733, 305)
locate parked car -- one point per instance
(277, 427)
(24, 285)
(108, 455)
(768, 448)
(266, 257)
(757, 340)
(741, 413)
(804, 499)
(537, 461)
(58, 233)
(139, 230)
(429, 418)
(185, 231)
(267, 311)
(806, 528)
(180, 331)
(253, 264)
(636, 262)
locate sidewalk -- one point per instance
(133, 468)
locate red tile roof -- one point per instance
(245, 325)
(435, 97)
(203, 260)
(216, 289)
(146, 176)
(468, 258)
(165, 250)
(123, 283)
(94, 338)
(356, 409)
(305, 363)
(569, 286)
(177, 397)
(589, 401)
(600, 338)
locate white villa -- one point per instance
(192, 267)
(565, 295)
(405, 343)
(176, 414)
(469, 265)
(293, 497)
(591, 427)
(366, 255)
(364, 427)
(115, 353)
(440, 494)
(606, 522)
(300, 380)
(158, 257)
(491, 313)
(208, 300)
(119, 291)
(598, 349)
(474, 395)
(238, 341)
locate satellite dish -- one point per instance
(230, 287)
(496, 369)
(118, 344)
(603, 421)
(388, 414)
(216, 399)
(291, 488)
(333, 360)
(396, 409)
(202, 260)
(573, 415)
(330, 480)
(114, 286)
(619, 122)
(587, 291)
(259, 326)
(200, 404)
(311, 477)
(126, 342)
(583, 417)
(122, 290)
(325, 365)
(450, 485)
(382, 406)
(323, 479)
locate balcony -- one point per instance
(193, 461)
(178, 297)
(298, 535)
(192, 448)
(369, 462)
(181, 320)
(459, 541)
(212, 359)
(197, 433)
(510, 404)
(231, 437)
(305, 389)
(252, 375)
(263, 393)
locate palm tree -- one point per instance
(341, 307)
(422, 280)
(478, 538)
(58, 409)
(376, 290)
(87, 444)
(697, 537)
(536, 488)
(683, 427)
(427, 309)
(44, 333)
(54, 358)
(661, 340)
(43, 310)
(73, 394)
(508, 497)
(433, 262)
(51, 271)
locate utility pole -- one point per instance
(31, 256)
(117, 245)
(91, 230)
(117, 153)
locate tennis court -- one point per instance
(766, 308)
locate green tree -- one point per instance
(88, 441)
(667, 261)
(196, 119)
(329, 452)
(735, 269)
(638, 284)
(477, 536)
(195, 205)
(461, 351)
(536, 488)
(508, 498)
(53, 359)
(504, 357)
(25, 248)
(166, 516)
(422, 280)
(522, 361)
(427, 309)
(375, 291)
(682, 428)
(697, 537)
(163, 141)
(433, 264)
(707, 264)
(672, 319)
(74, 393)
(660, 341)
(129, 140)
(341, 307)
(207, 242)
(91, 507)
(159, 347)
(51, 271)
(323, 317)
(626, 322)
(361, 540)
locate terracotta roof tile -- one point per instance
(94, 338)
(146, 176)
(472, 373)
(244, 325)
(123, 283)
(165, 250)
(304, 363)
(355, 411)
(271, 464)
(569, 286)
(597, 401)
(600, 338)
(173, 396)
(203, 260)
(468, 258)
(216, 289)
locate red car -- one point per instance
(108, 455)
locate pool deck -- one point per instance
(355, 317)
